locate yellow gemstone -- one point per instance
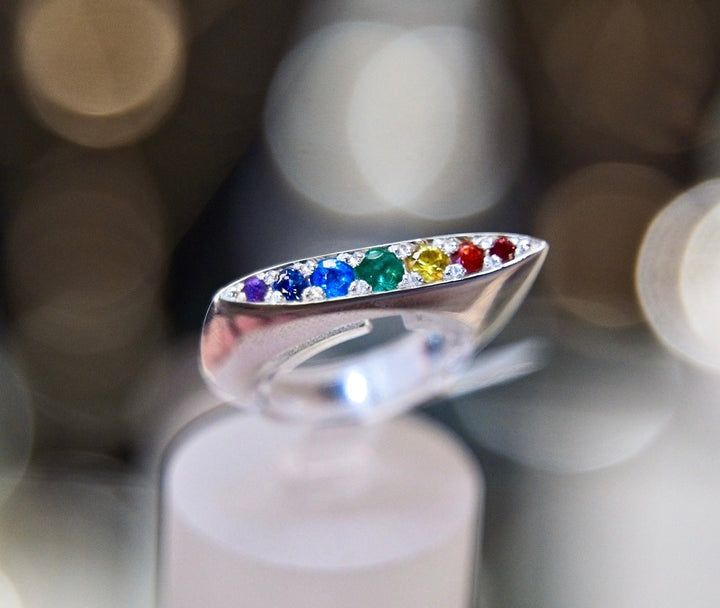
(429, 262)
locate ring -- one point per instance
(368, 333)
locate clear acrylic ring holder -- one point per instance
(329, 497)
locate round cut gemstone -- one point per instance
(274, 297)
(234, 293)
(492, 262)
(453, 272)
(291, 283)
(503, 248)
(429, 262)
(523, 246)
(270, 277)
(333, 276)
(448, 245)
(401, 250)
(359, 288)
(306, 268)
(351, 258)
(470, 256)
(313, 294)
(410, 280)
(255, 289)
(484, 242)
(381, 268)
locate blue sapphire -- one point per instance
(291, 283)
(333, 276)
(255, 289)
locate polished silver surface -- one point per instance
(266, 356)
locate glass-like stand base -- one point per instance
(260, 514)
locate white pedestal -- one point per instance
(257, 514)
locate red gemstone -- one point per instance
(503, 249)
(470, 256)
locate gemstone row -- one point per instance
(403, 265)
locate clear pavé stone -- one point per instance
(484, 242)
(402, 250)
(523, 246)
(448, 245)
(410, 280)
(306, 268)
(359, 288)
(492, 262)
(313, 294)
(453, 272)
(269, 277)
(234, 293)
(352, 259)
(275, 297)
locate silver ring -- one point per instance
(271, 339)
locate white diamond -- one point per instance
(492, 262)
(410, 280)
(274, 297)
(484, 242)
(448, 245)
(524, 245)
(353, 259)
(313, 294)
(453, 272)
(269, 277)
(305, 268)
(402, 250)
(235, 293)
(359, 288)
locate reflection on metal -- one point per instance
(245, 346)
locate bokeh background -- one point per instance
(153, 150)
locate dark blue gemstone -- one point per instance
(333, 276)
(255, 289)
(291, 283)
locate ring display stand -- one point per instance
(258, 513)
(321, 494)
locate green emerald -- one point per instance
(381, 269)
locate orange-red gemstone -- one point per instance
(470, 256)
(503, 248)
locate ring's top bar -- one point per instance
(383, 268)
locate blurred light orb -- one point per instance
(9, 597)
(101, 73)
(678, 274)
(365, 117)
(401, 145)
(595, 220)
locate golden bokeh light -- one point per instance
(98, 72)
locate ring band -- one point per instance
(452, 294)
